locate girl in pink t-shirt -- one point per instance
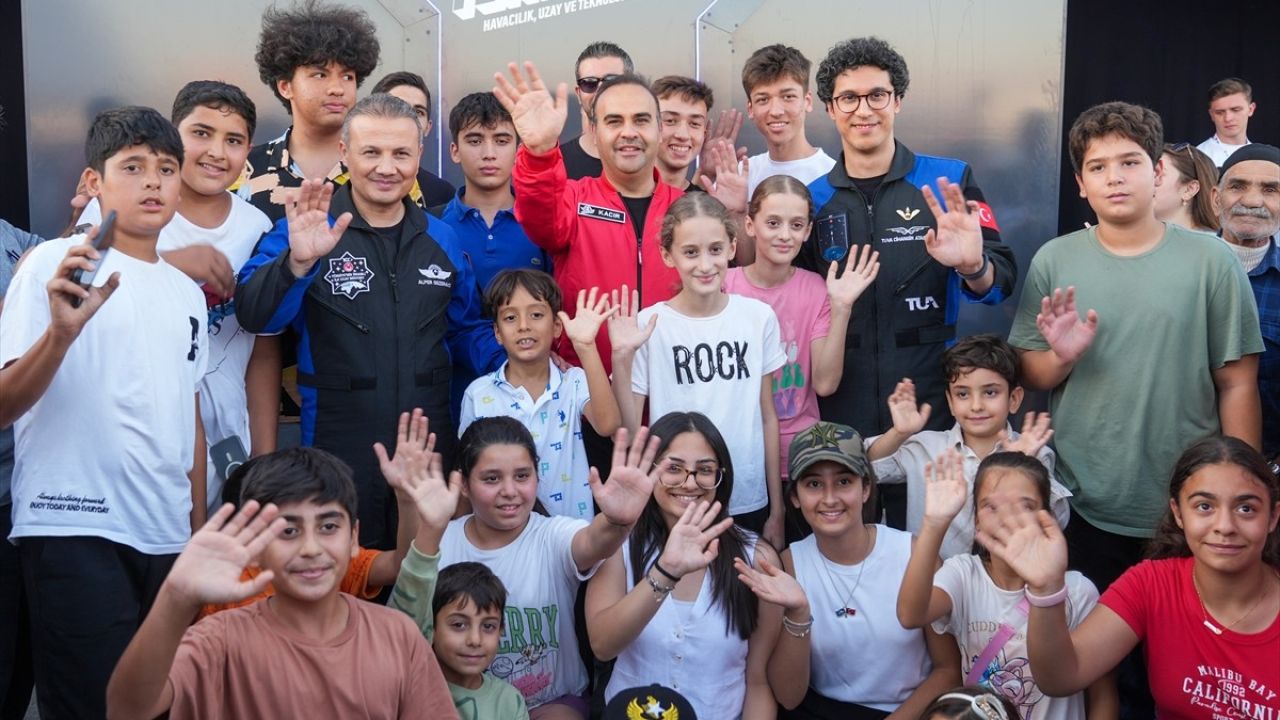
(1207, 603)
(813, 315)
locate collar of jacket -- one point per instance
(415, 218)
(903, 161)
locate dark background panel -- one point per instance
(13, 122)
(1165, 54)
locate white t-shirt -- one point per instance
(715, 366)
(224, 407)
(978, 607)
(539, 649)
(688, 647)
(106, 450)
(806, 170)
(1217, 150)
(846, 651)
(554, 420)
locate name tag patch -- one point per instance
(601, 213)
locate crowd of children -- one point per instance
(733, 557)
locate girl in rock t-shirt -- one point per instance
(709, 352)
(1207, 603)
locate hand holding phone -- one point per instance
(102, 242)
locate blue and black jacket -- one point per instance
(907, 318)
(379, 322)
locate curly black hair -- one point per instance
(314, 33)
(855, 53)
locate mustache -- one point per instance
(1239, 210)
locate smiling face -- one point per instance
(684, 129)
(486, 154)
(141, 185)
(981, 402)
(831, 497)
(526, 327)
(381, 155)
(779, 227)
(311, 555)
(1248, 202)
(1226, 516)
(502, 487)
(215, 143)
(865, 130)
(691, 452)
(700, 251)
(1118, 179)
(778, 109)
(466, 640)
(626, 129)
(320, 95)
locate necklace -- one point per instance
(1204, 612)
(845, 610)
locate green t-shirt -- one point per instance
(1143, 392)
(415, 586)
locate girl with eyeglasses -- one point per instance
(668, 605)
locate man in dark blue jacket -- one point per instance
(380, 297)
(931, 259)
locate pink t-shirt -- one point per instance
(1194, 672)
(804, 315)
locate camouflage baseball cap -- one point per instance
(828, 441)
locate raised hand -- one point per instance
(725, 128)
(728, 184)
(538, 117)
(957, 243)
(590, 315)
(1030, 542)
(206, 265)
(625, 334)
(845, 290)
(1035, 435)
(310, 237)
(772, 584)
(415, 471)
(908, 419)
(694, 540)
(1062, 328)
(210, 567)
(64, 319)
(945, 488)
(631, 480)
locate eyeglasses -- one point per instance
(591, 83)
(876, 100)
(708, 476)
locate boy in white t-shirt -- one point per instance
(210, 238)
(108, 481)
(776, 80)
(527, 319)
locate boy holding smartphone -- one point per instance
(110, 458)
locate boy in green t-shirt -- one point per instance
(1167, 354)
(465, 604)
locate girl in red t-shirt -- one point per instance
(1207, 603)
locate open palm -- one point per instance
(957, 242)
(693, 541)
(209, 569)
(631, 480)
(908, 418)
(625, 333)
(945, 487)
(845, 290)
(1030, 542)
(592, 312)
(538, 117)
(310, 236)
(1060, 324)
(772, 584)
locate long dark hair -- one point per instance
(500, 430)
(1025, 464)
(649, 536)
(1170, 541)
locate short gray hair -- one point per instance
(380, 105)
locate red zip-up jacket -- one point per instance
(584, 226)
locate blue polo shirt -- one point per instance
(504, 246)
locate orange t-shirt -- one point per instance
(355, 582)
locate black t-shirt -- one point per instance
(868, 186)
(435, 189)
(577, 163)
(638, 209)
(392, 233)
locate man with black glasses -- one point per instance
(880, 193)
(598, 62)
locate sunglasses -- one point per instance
(591, 83)
(1179, 147)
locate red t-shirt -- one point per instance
(1193, 672)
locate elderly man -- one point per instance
(380, 297)
(1248, 203)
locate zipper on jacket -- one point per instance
(395, 289)
(342, 314)
(911, 276)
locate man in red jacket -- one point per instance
(600, 231)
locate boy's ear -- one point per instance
(285, 88)
(453, 153)
(1015, 399)
(1159, 169)
(355, 539)
(91, 181)
(1080, 184)
(808, 102)
(557, 327)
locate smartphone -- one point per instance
(228, 455)
(102, 242)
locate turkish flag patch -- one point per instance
(987, 218)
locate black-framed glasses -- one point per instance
(708, 476)
(591, 83)
(877, 99)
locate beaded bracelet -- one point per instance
(795, 629)
(660, 592)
